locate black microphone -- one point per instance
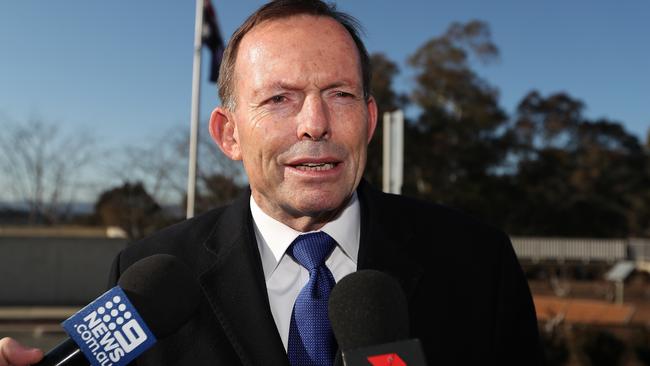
(368, 312)
(161, 295)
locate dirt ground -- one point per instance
(587, 311)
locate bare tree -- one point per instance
(156, 163)
(42, 167)
(161, 164)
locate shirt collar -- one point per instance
(274, 237)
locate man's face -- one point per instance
(301, 124)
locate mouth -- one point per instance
(315, 167)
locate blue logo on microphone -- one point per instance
(109, 331)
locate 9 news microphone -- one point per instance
(368, 312)
(154, 297)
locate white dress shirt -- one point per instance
(284, 276)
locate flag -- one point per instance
(212, 39)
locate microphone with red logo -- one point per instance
(154, 298)
(368, 312)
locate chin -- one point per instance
(315, 204)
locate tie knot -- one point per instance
(311, 250)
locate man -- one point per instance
(298, 113)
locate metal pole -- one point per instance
(195, 113)
(386, 153)
(397, 151)
(393, 153)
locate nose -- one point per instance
(314, 120)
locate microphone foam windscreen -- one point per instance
(367, 308)
(163, 290)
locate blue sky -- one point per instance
(122, 70)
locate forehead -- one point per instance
(289, 47)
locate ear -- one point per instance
(224, 133)
(372, 116)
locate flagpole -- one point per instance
(194, 115)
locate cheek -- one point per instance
(265, 141)
(355, 134)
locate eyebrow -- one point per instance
(338, 84)
(282, 85)
(278, 85)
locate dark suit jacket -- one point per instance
(469, 302)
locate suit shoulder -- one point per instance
(427, 213)
(447, 229)
(183, 239)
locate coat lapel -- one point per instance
(233, 283)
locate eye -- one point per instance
(342, 94)
(277, 99)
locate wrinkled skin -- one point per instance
(301, 124)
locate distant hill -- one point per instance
(78, 208)
(11, 216)
(17, 213)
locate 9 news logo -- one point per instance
(109, 331)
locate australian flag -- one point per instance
(212, 39)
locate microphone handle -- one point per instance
(67, 353)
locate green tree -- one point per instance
(383, 72)
(456, 144)
(216, 190)
(575, 176)
(131, 208)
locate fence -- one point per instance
(585, 250)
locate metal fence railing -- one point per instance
(586, 250)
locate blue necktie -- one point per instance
(311, 341)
